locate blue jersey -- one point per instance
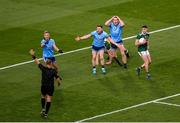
(116, 32)
(98, 40)
(48, 50)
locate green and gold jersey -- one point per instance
(140, 37)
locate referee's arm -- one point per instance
(58, 79)
(32, 53)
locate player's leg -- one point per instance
(109, 53)
(126, 53)
(97, 59)
(111, 57)
(48, 105)
(101, 54)
(112, 53)
(146, 64)
(94, 55)
(149, 57)
(116, 59)
(43, 100)
(49, 94)
(138, 69)
(124, 58)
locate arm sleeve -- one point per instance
(110, 25)
(43, 42)
(53, 42)
(41, 67)
(138, 36)
(147, 37)
(106, 35)
(56, 74)
(93, 33)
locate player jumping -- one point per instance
(142, 42)
(47, 83)
(97, 46)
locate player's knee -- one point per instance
(48, 98)
(94, 58)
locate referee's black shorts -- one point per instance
(47, 90)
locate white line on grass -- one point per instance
(22, 63)
(165, 103)
(127, 108)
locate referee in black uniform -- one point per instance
(47, 83)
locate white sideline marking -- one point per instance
(127, 108)
(22, 63)
(170, 104)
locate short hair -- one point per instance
(48, 61)
(46, 32)
(99, 25)
(144, 26)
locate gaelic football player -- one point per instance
(97, 46)
(48, 45)
(142, 42)
(116, 25)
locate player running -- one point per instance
(97, 46)
(48, 45)
(47, 83)
(115, 25)
(142, 42)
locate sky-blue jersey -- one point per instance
(48, 50)
(98, 40)
(115, 32)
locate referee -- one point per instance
(47, 83)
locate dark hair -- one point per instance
(48, 61)
(144, 26)
(99, 25)
(46, 32)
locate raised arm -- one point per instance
(120, 21)
(107, 23)
(78, 38)
(32, 53)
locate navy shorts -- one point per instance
(97, 49)
(114, 46)
(53, 59)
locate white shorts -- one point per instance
(144, 53)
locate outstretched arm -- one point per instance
(32, 53)
(78, 38)
(112, 41)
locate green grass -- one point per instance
(83, 95)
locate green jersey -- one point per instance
(142, 36)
